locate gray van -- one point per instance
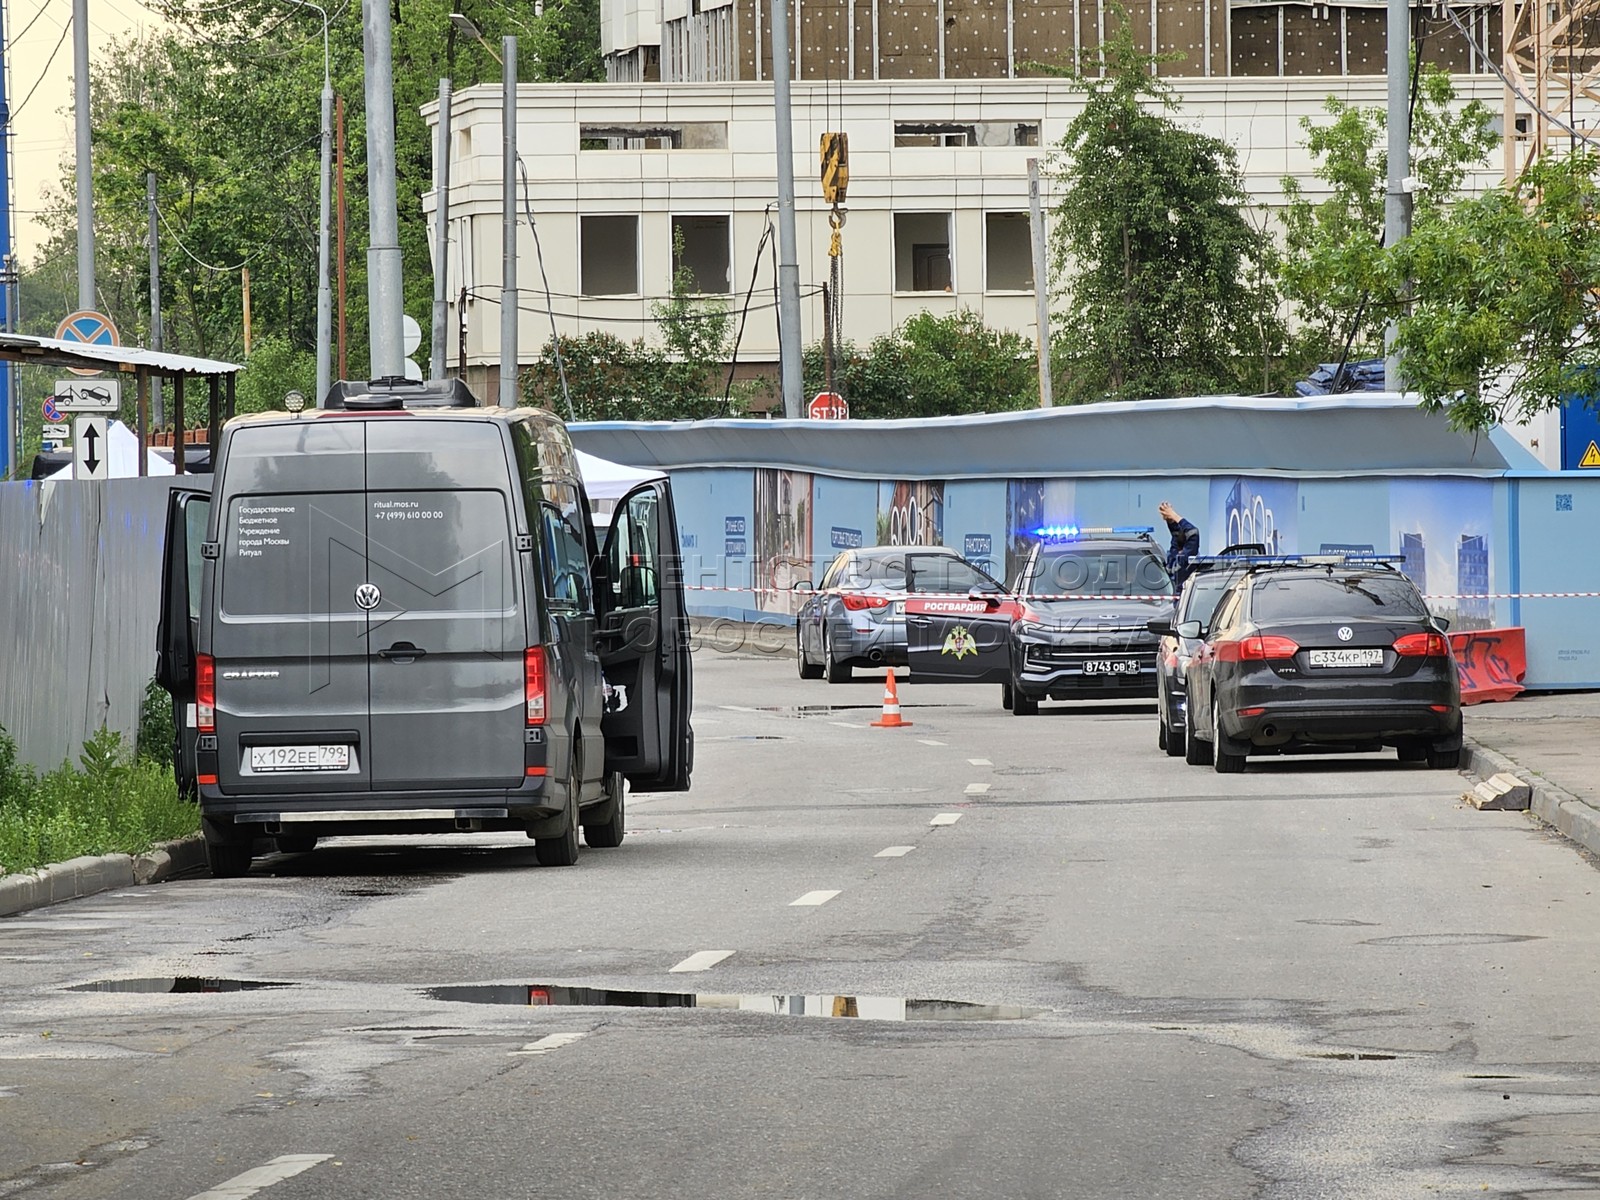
(391, 615)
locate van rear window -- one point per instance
(441, 551)
(427, 551)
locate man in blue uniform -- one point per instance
(1185, 545)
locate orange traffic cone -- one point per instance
(891, 707)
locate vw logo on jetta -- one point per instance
(1345, 632)
(368, 595)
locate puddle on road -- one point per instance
(865, 1008)
(182, 984)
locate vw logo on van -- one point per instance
(368, 595)
(1344, 631)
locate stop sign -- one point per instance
(828, 406)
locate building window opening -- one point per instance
(609, 256)
(922, 253)
(957, 133)
(1008, 252)
(700, 247)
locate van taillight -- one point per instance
(205, 693)
(533, 678)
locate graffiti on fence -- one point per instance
(1491, 662)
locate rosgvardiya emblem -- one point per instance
(960, 643)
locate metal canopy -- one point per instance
(53, 352)
(1369, 434)
(143, 365)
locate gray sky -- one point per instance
(42, 143)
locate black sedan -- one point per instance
(1322, 654)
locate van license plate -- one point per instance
(1111, 666)
(300, 758)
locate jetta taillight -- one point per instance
(205, 693)
(1258, 647)
(533, 681)
(1422, 645)
(856, 602)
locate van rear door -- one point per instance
(446, 636)
(645, 644)
(188, 511)
(286, 627)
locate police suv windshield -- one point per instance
(1086, 572)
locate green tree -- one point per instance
(1333, 267)
(932, 366)
(1502, 292)
(1168, 282)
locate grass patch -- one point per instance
(110, 802)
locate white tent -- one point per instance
(122, 456)
(606, 480)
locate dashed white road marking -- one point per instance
(700, 960)
(814, 898)
(980, 762)
(738, 708)
(894, 852)
(847, 724)
(931, 742)
(945, 819)
(977, 789)
(552, 1041)
(242, 1187)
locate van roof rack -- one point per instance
(1330, 560)
(394, 391)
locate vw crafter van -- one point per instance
(391, 615)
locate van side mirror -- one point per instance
(1189, 629)
(1161, 627)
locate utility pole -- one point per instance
(788, 255)
(384, 294)
(325, 211)
(344, 363)
(508, 202)
(11, 418)
(1041, 285)
(80, 107)
(1397, 201)
(441, 232)
(155, 291)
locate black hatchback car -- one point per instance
(1322, 654)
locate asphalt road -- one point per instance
(1323, 978)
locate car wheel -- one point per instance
(1005, 696)
(1223, 758)
(562, 850)
(296, 843)
(609, 834)
(227, 854)
(837, 672)
(808, 670)
(1412, 752)
(1176, 739)
(1023, 705)
(1196, 751)
(1443, 759)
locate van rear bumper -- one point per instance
(324, 814)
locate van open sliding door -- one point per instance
(188, 512)
(645, 645)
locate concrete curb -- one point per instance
(1555, 806)
(98, 873)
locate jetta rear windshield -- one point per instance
(1335, 597)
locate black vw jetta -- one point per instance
(1322, 654)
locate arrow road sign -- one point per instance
(88, 395)
(89, 448)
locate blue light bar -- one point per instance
(1067, 533)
